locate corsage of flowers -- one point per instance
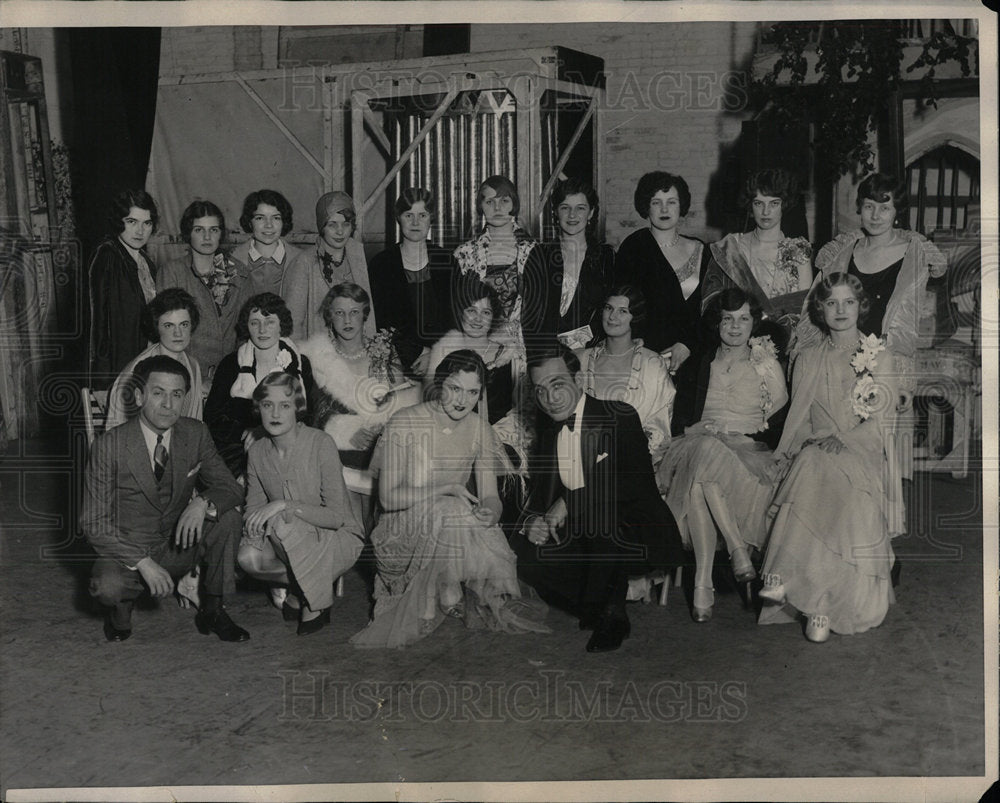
(763, 352)
(865, 391)
(380, 355)
(792, 252)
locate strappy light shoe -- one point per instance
(818, 628)
(706, 597)
(773, 590)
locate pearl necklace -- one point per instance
(353, 357)
(672, 243)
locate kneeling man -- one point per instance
(142, 517)
(594, 516)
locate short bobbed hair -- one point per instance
(660, 181)
(469, 289)
(266, 304)
(280, 379)
(122, 203)
(349, 290)
(199, 209)
(455, 362)
(173, 298)
(504, 188)
(730, 300)
(271, 198)
(824, 289)
(882, 187)
(773, 183)
(412, 196)
(636, 301)
(158, 364)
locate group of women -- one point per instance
(415, 368)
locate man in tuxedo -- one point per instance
(594, 516)
(142, 517)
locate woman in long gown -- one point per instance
(620, 368)
(438, 547)
(773, 268)
(668, 268)
(299, 527)
(719, 476)
(359, 384)
(829, 555)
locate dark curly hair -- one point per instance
(659, 181)
(636, 301)
(730, 300)
(882, 187)
(461, 361)
(161, 364)
(773, 183)
(122, 203)
(824, 289)
(469, 289)
(266, 304)
(173, 298)
(271, 198)
(197, 209)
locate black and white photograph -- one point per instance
(498, 401)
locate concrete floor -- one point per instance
(724, 700)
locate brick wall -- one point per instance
(673, 103)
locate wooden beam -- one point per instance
(564, 157)
(408, 152)
(284, 129)
(376, 130)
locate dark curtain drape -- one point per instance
(115, 73)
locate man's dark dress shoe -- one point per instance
(310, 626)
(112, 633)
(220, 624)
(609, 634)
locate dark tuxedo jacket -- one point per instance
(124, 515)
(541, 293)
(617, 522)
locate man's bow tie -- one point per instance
(569, 422)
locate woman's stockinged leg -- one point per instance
(703, 536)
(264, 564)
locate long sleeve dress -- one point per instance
(427, 552)
(830, 540)
(738, 406)
(310, 474)
(648, 389)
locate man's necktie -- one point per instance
(159, 458)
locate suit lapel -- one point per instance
(139, 463)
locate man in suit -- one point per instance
(594, 516)
(140, 513)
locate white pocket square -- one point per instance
(600, 457)
(194, 471)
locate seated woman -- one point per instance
(267, 218)
(299, 527)
(337, 259)
(478, 312)
(765, 263)
(263, 327)
(218, 283)
(359, 385)
(565, 283)
(438, 548)
(122, 282)
(829, 555)
(719, 476)
(168, 321)
(411, 283)
(619, 368)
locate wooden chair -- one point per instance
(95, 412)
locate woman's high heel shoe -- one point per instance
(704, 599)
(309, 626)
(742, 566)
(773, 590)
